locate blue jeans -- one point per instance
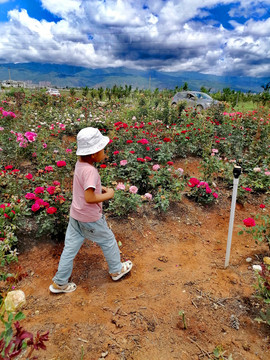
(98, 232)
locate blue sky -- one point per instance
(209, 36)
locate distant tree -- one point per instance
(100, 93)
(266, 87)
(204, 90)
(72, 92)
(185, 86)
(108, 93)
(85, 91)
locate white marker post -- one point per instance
(236, 174)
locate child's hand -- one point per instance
(108, 191)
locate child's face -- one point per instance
(99, 156)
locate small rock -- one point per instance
(104, 354)
(249, 260)
(234, 322)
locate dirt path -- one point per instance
(178, 265)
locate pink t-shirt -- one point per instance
(85, 176)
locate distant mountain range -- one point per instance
(72, 76)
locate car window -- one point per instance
(206, 97)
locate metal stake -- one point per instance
(236, 174)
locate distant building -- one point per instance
(13, 83)
(44, 84)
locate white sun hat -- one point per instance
(90, 141)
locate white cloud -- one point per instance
(141, 34)
(63, 8)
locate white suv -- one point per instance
(53, 92)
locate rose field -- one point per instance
(172, 172)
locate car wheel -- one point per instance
(174, 104)
(199, 107)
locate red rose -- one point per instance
(51, 189)
(61, 163)
(39, 190)
(249, 222)
(193, 182)
(35, 207)
(51, 210)
(103, 166)
(29, 176)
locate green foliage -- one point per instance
(263, 283)
(124, 203)
(8, 239)
(183, 318)
(201, 192)
(219, 354)
(261, 231)
(264, 316)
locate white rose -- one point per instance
(257, 267)
(14, 300)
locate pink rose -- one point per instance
(148, 196)
(123, 162)
(215, 195)
(48, 168)
(120, 186)
(180, 171)
(156, 167)
(29, 176)
(133, 189)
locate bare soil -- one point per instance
(178, 266)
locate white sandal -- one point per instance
(67, 288)
(126, 267)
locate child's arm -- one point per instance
(92, 198)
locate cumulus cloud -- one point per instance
(143, 34)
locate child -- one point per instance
(86, 218)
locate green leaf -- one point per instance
(19, 316)
(10, 317)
